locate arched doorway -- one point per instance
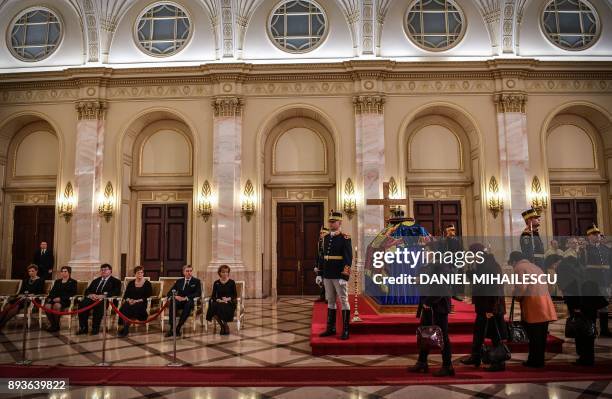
(157, 172)
(299, 175)
(441, 153)
(31, 158)
(578, 145)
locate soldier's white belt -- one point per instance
(333, 257)
(538, 255)
(598, 266)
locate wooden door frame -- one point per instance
(443, 193)
(30, 197)
(561, 191)
(274, 233)
(159, 198)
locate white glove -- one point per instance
(342, 281)
(319, 280)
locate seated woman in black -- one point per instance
(59, 297)
(135, 300)
(222, 303)
(31, 285)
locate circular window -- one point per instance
(435, 25)
(297, 26)
(163, 29)
(570, 24)
(34, 34)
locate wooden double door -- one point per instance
(31, 225)
(298, 226)
(573, 216)
(434, 216)
(164, 239)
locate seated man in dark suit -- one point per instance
(187, 289)
(43, 258)
(104, 286)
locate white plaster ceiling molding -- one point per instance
(216, 20)
(244, 10)
(491, 13)
(350, 9)
(382, 7)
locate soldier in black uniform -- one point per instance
(531, 243)
(597, 259)
(335, 271)
(319, 261)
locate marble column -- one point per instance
(226, 219)
(370, 161)
(514, 159)
(85, 249)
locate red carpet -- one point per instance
(390, 334)
(299, 376)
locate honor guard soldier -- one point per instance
(531, 243)
(335, 271)
(452, 243)
(319, 262)
(597, 260)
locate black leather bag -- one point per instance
(494, 354)
(579, 326)
(430, 337)
(516, 332)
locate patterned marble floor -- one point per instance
(274, 334)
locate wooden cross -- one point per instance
(387, 202)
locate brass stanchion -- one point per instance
(356, 275)
(103, 362)
(174, 363)
(26, 328)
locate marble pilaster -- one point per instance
(370, 161)
(85, 249)
(226, 219)
(514, 159)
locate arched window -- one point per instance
(435, 25)
(570, 24)
(35, 34)
(163, 29)
(297, 26)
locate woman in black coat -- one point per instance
(222, 302)
(490, 306)
(573, 285)
(135, 300)
(434, 307)
(31, 285)
(59, 297)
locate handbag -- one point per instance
(516, 332)
(494, 354)
(430, 337)
(579, 326)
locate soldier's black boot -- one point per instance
(346, 318)
(331, 324)
(604, 330)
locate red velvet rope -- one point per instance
(150, 319)
(70, 312)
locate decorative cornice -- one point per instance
(510, 102)
(369, 104)
(91, 110)
(227, 106)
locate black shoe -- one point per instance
(419, 367)
(123, 333)
(444, 372)
(471, 361)
(82, 331)
(496, 367)
(331, 324)
(346, 318)
(95, 331)
(457, 298)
